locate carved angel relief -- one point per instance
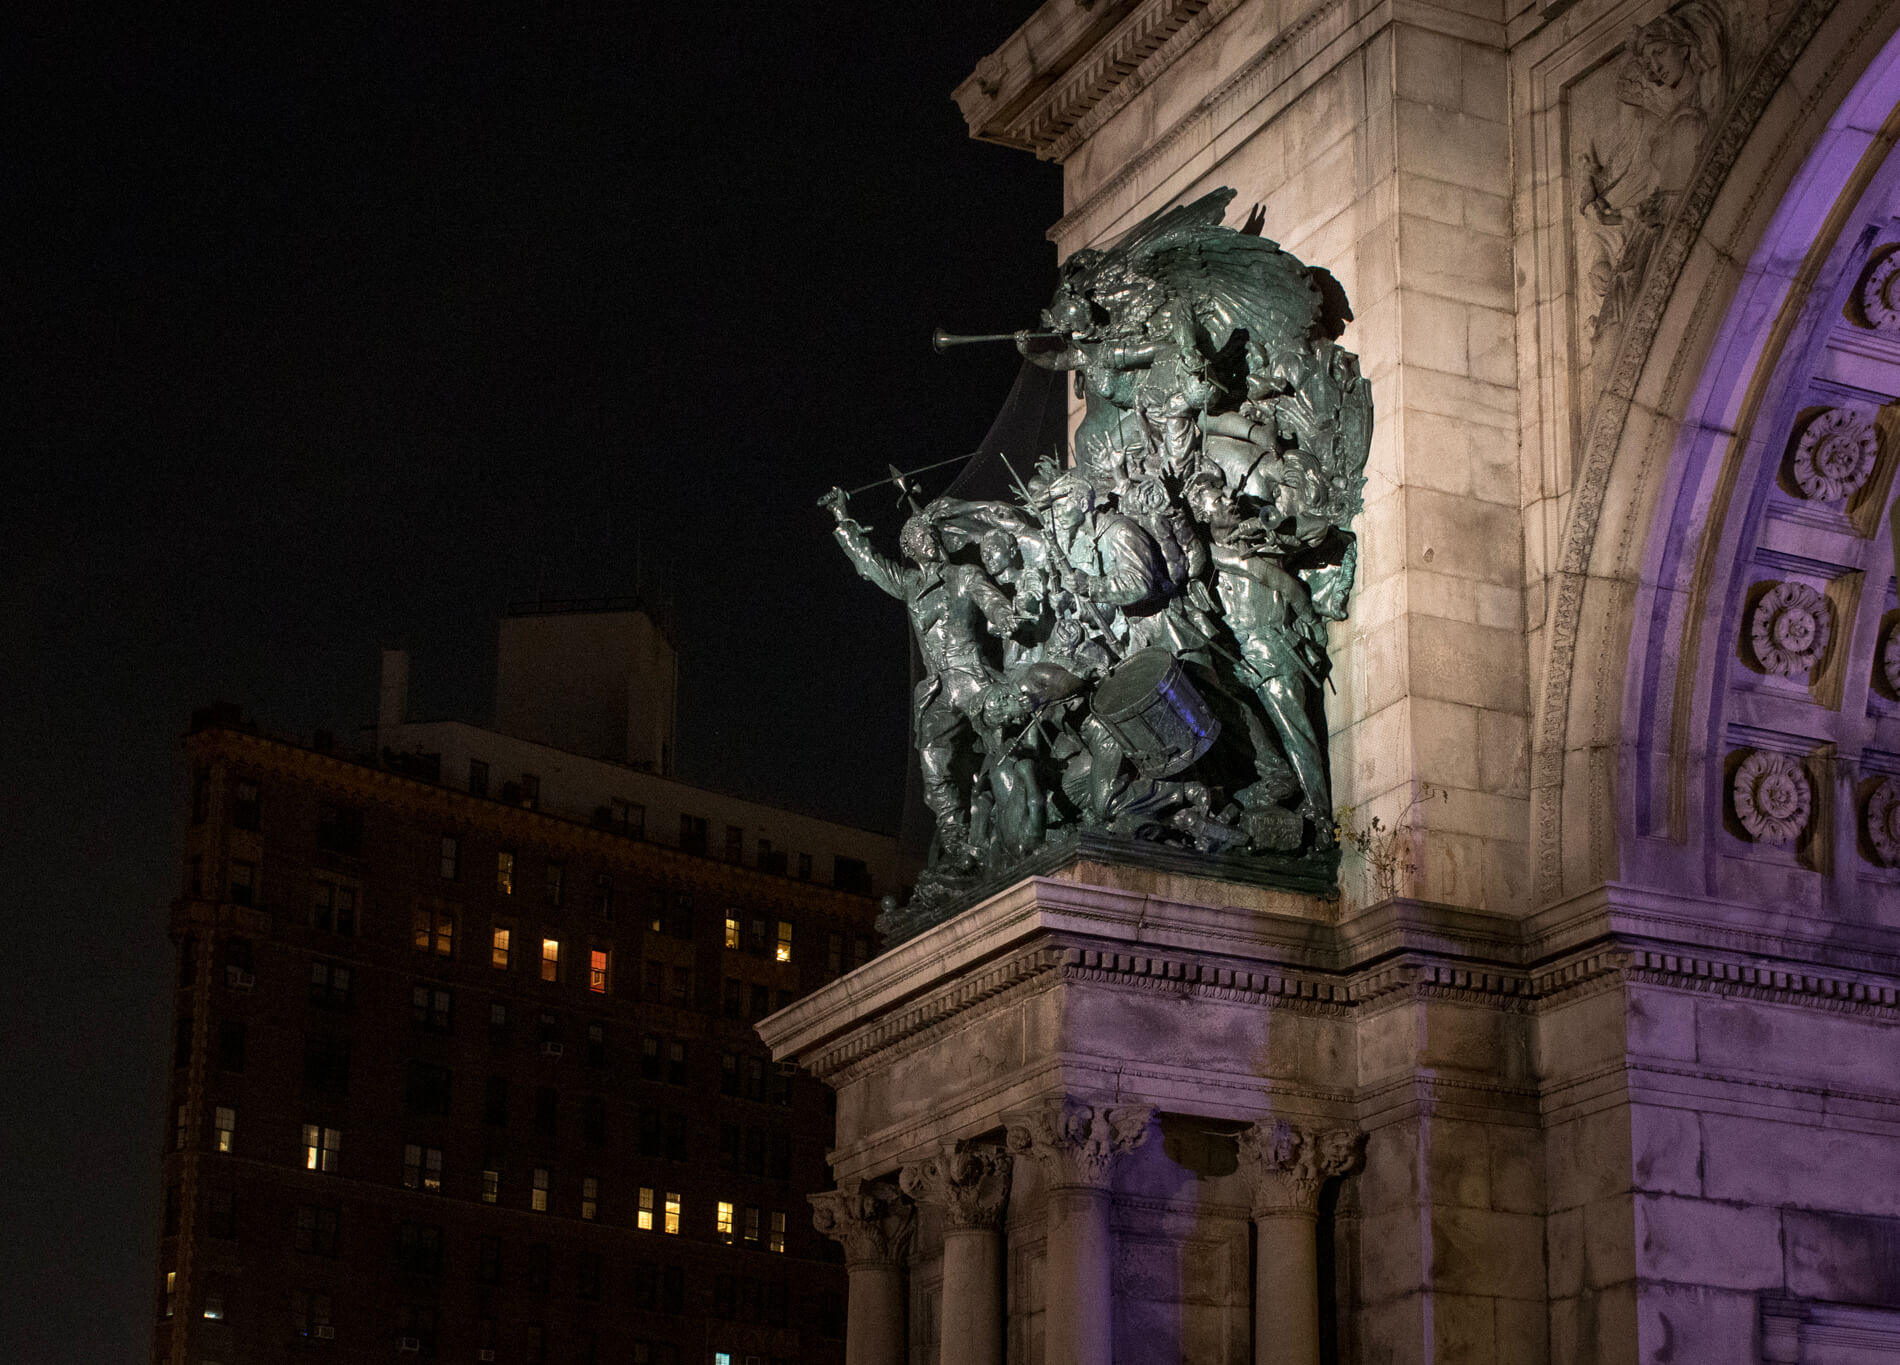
(1790, 629)
(1640, 125)
(1772, 797)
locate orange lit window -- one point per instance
(550, 959)
(644, 1218)
(505, 873)
(434, 931)
(498, 953)
(732, 932)
(597, 970)
(784, 953)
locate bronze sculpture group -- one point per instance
(1135, 646)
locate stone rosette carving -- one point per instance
(1790, 629)
(1076, 1142)
(1880, 294)
(1883, 821)
(1834, 454)
(970, 1186)
(1772, 797)
(1288, 1165)
(868, 1218)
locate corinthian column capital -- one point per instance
(971, 1186)
(1076, 1142)
(1287, 1165)
(868, 1218)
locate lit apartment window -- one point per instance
(776, 1242)
(214, 1305)
(732, 932)
(722, 1220)
(505, 873)
(320, 1147)
(784, 951)
(227, 1128)
(422, 1168)
(451, 852)
(498, 950)
(550, 959)
(538, 1198)
(243, 883)
(672, 1224)
(556, 883)
(171, 1291)
(477, 777)
(491, 1186)
(597, 971)
(643, 1215)
(433, 931)
(751, 1223)
(590, 1197)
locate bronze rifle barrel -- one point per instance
(941, 339)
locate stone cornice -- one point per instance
(1052, 934)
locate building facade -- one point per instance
(464, 1066)
(1594, 1057)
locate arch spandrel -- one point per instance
(1699, 563)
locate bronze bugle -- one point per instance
(941, 339)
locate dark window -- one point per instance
(830, 1314)
(594, 1120)
(330, 985)
(733, 1001)
(488, 1261)
(652, 1065)
(171, 1211)
(187, 962)
(729, 1144)
(752, 1161)
(652, 1133)
(431, 1007)
(316, 1230)
(231, 1038)
(682, 985)
(589, 1276)
(646, 1289)
(673, 1290)
(495, 1102)
(245, 806)
(326, 1066)
(630, 818)
(693, 833)
(477, 777)
(537, 1344)
(181, 1042)
(725, 1300)
(850, 874)
(417, 1322)
(804, 867)
(770, 859)
(653, 986)
(603, 895)
(427, 1090)
(531, 791)
(419, 1249)
(728, 1073)
(545, 1102)
(675, 1137)
(834, 955)
(761, 1002)
(553, 884)
(223, 1218)
(735, 844)
(333, 908)
(200, 795)
(538, 1268)
(243, 882)
(779, 1166)
(548, 1030)
(340, 829)
(597, 1045)
(676, 1063)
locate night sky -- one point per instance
(329, 335)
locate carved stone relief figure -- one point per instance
(1638, 130)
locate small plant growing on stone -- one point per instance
(1384, 851)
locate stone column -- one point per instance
(1075, 1144)
(1287, 1167)
(871, 1220)
(972, 1189)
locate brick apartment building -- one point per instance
(464, 1066)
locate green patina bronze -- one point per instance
(1131, 653)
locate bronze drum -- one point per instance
(1147, 703)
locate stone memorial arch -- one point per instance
(1594, 1054)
